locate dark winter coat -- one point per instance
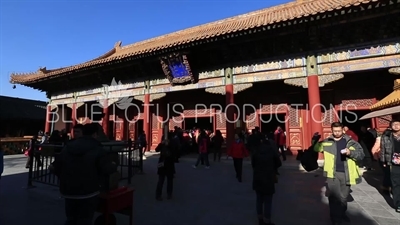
(166, 162)
(265, 162)
(81, 167)
(387, 147)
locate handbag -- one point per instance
(396, 158)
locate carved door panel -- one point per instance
(131, 130)
(156, 135)
(119, 130)
(295, 132)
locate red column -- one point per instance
(48, 119)
(106, 118)
(147, 120)
(73, 116)
(314, 104)
(230, 115)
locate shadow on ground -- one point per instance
(200, 197)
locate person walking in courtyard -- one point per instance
(376, 152)
(165, 168)
(203, 142)
(32, 154)
(280, 139)
(80, 167)
(217, 140)
(238, 151)
(390, 157)
(341, 154)
(142, 142)
(265, 162)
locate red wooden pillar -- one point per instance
(147, 120)
(106, 117)
(314, 99)
(314, 103)
(73, 116)
(48, 119)
(229, 108)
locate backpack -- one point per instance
(309, 160)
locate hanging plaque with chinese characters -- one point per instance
(177, 69)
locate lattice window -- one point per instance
(384, 121)
(200, 112)
(294, 117)
(251, 121)
(273, 108)
(155, 124)
(357, 103)
(328, 117)
(220, 120)
(175, 121)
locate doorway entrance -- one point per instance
(205, 123)
(269, 122)
(139, 128)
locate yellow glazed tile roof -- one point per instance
(260, 18)
(393, 99)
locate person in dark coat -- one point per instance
(217, 140)
(166, 169)
(81, 167)
(265, 163)
(32, 152)
(366, 140)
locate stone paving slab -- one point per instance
(201, 197)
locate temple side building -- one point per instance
(324, 59)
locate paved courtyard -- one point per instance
(201, 197)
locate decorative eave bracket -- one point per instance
(323, 79)
(395, 70)
(236, 88)
(152, 97)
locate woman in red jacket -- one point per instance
(203, 142)
(238, 151)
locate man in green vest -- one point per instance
(341, 154)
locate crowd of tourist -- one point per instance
(344, 152)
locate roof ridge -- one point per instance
(116, 47)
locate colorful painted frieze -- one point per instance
(273, 65)
(359, 53)
(360, 64)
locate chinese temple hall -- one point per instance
(301, 60)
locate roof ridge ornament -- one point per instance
(117, 45)
(42, 70)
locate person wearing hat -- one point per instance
(390, 157)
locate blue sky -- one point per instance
(55, 33)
